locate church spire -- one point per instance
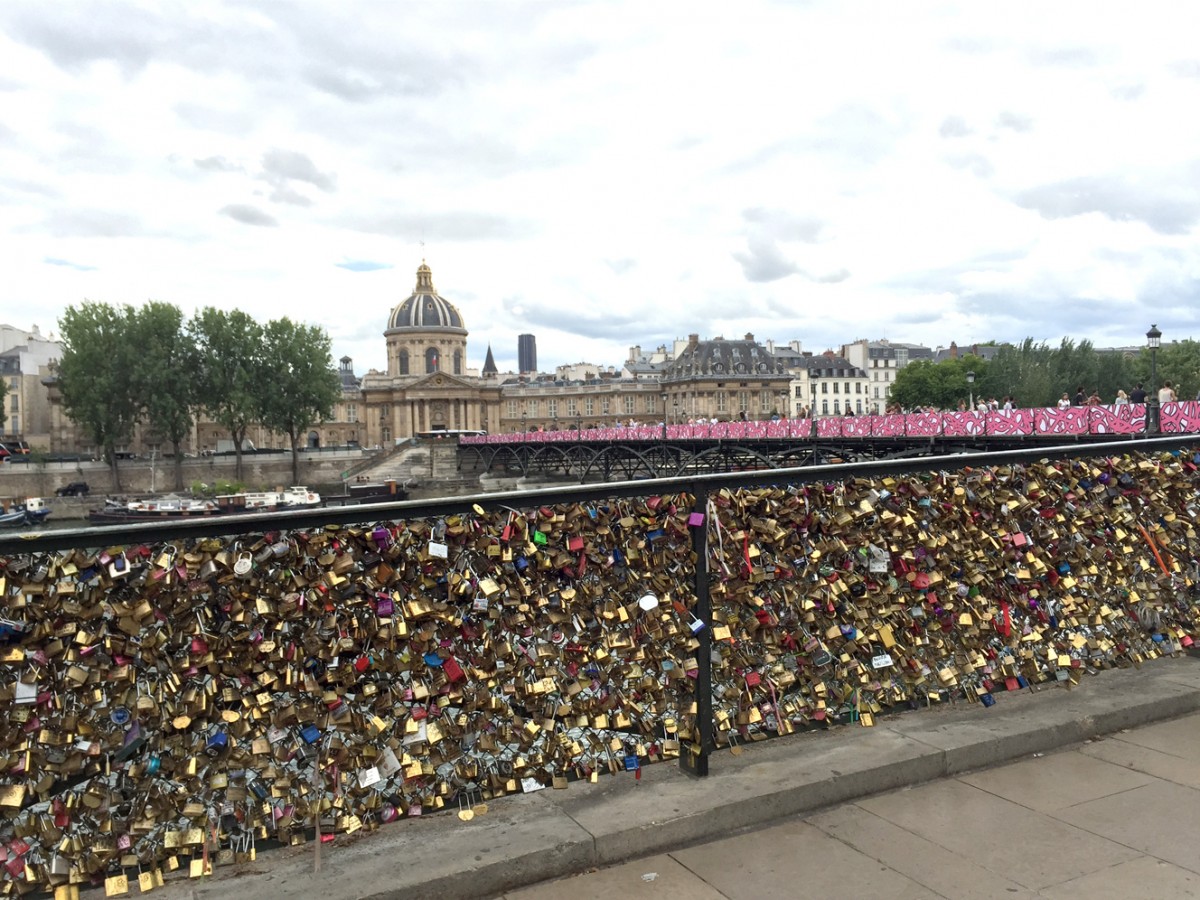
(489, 363)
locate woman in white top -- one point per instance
(1166, 394)
(1122, 399)
(1064, 401)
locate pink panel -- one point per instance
(922, 424)
(829, 427)
(1124, 419)
(857, 426)
(1180, 417)
(1073, 420)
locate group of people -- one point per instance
(1166, 394)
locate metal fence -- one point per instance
(175, 692)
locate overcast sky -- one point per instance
(608, 174)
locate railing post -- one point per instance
(693, 755)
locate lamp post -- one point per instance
(812, 410)
(663, 397)
(579, 426)
(1153, 342)
(971, 391)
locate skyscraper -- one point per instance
(526, 353)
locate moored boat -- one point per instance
(30, 511)
(171, 507)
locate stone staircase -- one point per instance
(424, 469)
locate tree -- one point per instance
(1177, 362)
(230, 371)
(303, 384)
(96, 374)
(166, 376)
(942, 385)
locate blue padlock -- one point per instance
(153, 764)
(310, 734)
(631, 762)
(432, 659)
(987, 699)
(216, 743)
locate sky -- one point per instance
(609, 174)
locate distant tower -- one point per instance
(489, 364)
(527, 353)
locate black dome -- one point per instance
(425, 309)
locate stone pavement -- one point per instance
(1116, 817)
(921, 815)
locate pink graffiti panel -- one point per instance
(1123, 419)
(1072, 420)
(829, 427)
(923, 424)
(1180, 417)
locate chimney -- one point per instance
(749, 336)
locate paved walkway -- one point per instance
(826, 814)
(1118, 817)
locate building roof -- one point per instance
(829, 365)
(721, 358)
(489, 363)
(425, 309)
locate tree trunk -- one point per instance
(294, 438)
(113, 469)
(178, 465)
(237, 455)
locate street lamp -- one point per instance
(812, 410)
(971, 390)
(579, 426)
(1153, 342)
(663, 397)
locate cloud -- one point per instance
(280, 165)
(978, 164)
(1073, 57)
(1185, 68)
(1167, 212)
(954, 127)
(78, 267)
(783, 225)
(217, 164)
(764, 261)
(620, 266)
(1129, 91)
(63, 223)
(248, 215)
(1014, 121)
(454, 226)
(835, 277)
(362, 265)
(284, 194)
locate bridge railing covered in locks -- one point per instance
(169, 701)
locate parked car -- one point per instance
(74, 489)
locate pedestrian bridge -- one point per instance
(667, 450)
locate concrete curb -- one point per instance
(549, 834)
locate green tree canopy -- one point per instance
(942, 385)
(230, 371)
(166, 376)
(97, 374)
(303, 386)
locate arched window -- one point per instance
(457, 362)
(431, 360)
(403, 362)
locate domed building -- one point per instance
(427, 386)
(425, 333)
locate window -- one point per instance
(722, 402)
(14, 425)
(604, 406)
(858, 405)
(552, 408)
(824, 407)
(14, 405)
(847, 387)
(457, 362)
(351, 412)
(764, 401)
(799, 393)
(511, 406)
(572, 407)
(386, 436)
(629, 406)
(837, 407)
(431, 360)
(403, 362)
(835, 387)
(858, 387)
(589, 406)
(743, 401)
(876, 393)
(651, 404)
